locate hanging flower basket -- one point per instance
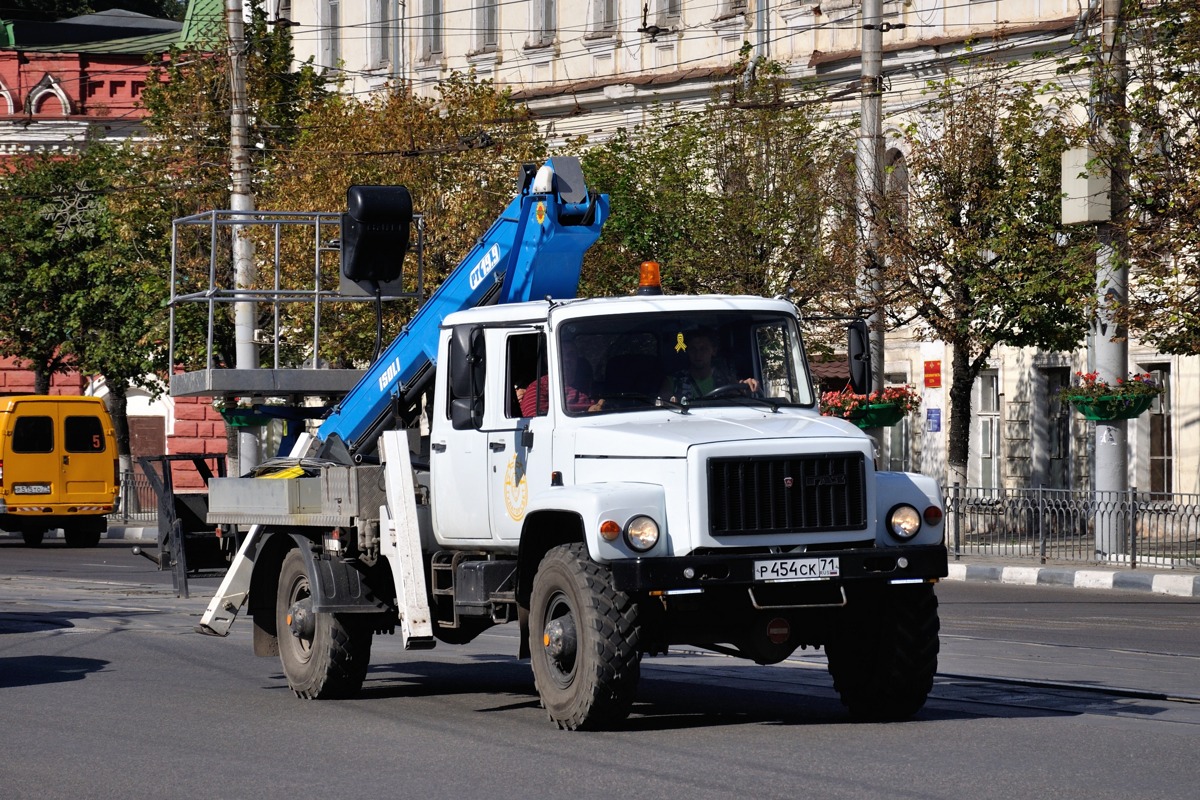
(1112, 407)
(1100, 401)
(876, 410)
(878, 415)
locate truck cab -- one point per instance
(679, 447)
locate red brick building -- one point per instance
(61, 84)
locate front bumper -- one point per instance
(916, 562)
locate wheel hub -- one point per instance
(560, 641)
(301, 621)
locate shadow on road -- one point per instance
(35, 670)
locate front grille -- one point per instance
(787, 494)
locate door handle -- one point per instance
(438, 447)
(497, 447)
(66, 460)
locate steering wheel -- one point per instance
(728, 390)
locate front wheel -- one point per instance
(583, 641)
(883, 652)
(324, 655)
(33, 536)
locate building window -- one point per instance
(899, 436)
(1162, 446)
(544, 24)
(1058, 430)
(381, 25)
(989, 429)
(487, 25)
(331, 35)
(669, 12)
(603, 18)
(434, 44)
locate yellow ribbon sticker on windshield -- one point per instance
(679, 345)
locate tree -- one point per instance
(71, 299)
(976, 254)
(1163, 116)
(458, 155)
(751, 194)
(184, 168)
(48, 211)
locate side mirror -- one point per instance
(468, 368)
(858, 347)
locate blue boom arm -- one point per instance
(533, 250)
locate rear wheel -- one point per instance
(324, 655)
(583, 641)
(883, 652)
(33, 536)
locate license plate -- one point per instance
(31, 488)
(797, 569)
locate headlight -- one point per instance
(641, 533)
(904, 522)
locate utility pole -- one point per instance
(1111, 346)
(245, 312)
(869, 169)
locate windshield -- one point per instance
(636, 361)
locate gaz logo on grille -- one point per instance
(787, 482)
(825, 480)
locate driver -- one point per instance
(702, 374)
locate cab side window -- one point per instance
(83, 435)
(526, 369)
(33, 435)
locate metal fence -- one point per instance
(1114, 528)
(1137, 528)
(137, 501)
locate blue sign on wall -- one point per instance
(933, 420)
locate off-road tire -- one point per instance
(883, 652)
(596, 688)
(33, 536)
(333, 664)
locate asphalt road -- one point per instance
(105, 691)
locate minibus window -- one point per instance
(33, 435)
(83, 435)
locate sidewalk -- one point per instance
(1176, 583)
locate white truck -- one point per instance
(637, 499)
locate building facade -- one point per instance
(589, 67)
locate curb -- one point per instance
(1174, 584)
(115, 533)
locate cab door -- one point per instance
(458, 460)
(518, 445)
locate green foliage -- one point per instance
(976, 252)
(1163, 224)
(750, 194)
(458, 155)
(184, 167)
(69, 299)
